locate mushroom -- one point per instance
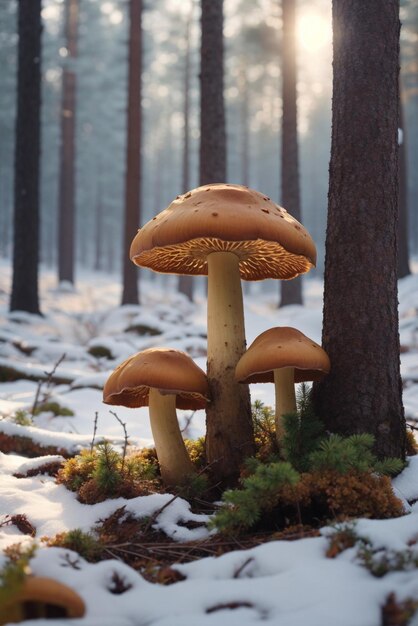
(285, 356)
(227, 232)
(41, 597)
(163, 379)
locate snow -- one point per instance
(280, 583)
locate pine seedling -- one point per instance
(15, 570)
(303, 431)
(260, 492)
(107, 471)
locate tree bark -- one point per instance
(24, 295)
(291, 290)
(212, 112)
(66, 197)
(363, 392)
(130, 294)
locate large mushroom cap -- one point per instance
(282, 347)
(269, 242)
(49, 592)
(168, 370)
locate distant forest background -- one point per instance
(252, 32)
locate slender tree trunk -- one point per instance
(403, 246)
(291, 290)
(244, 130)
(212, 111)
(66, 199)
(24, 295)
(133, 153)
(226, 458)
(99, 231)
(185, 284)
(363, 392)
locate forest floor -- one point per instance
(82, 336)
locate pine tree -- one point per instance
(363, 392)
(24, 294)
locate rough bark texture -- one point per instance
(24, 294)
(363, 391)
(291, 290)
(133, 153)
(403, 252)
(66, 191)
(212, 113)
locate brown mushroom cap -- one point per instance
(170, 371)
(269, 242)
(49, 591)
(282, 347)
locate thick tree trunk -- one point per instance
(291, 290)
(363, 391)
(66, 197)
(212, 112)
(24, 294)
(403, 244)
(133, 153)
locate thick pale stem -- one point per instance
(173, 458)
(229, 430)
(284, 383)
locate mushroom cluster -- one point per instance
(227, 232)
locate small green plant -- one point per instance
(260, 491)
(85, 544)
(353, 453)
(102, 473)
(15, 569)
(304, 431)
(264, 431)
(53, 407)
(22, 418)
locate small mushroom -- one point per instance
(228, 232)
(41, 597)
(163, 379)
(285, 356)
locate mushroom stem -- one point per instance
(284, 383)
(229, 436)
(175, 463)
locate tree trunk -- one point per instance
(133, 153)
(363, 391)
(24, 295)
(213, 170)
(403, 244)
(66, 208)
(185, 284)
(291, 290)
(99, 230)
(212, 112)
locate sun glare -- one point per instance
(313, 31)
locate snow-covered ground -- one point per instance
(282, 583)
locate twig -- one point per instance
(125, 443)
(96, 418)
(240, 569)
(188, 422)
(47, 382)
(158, 512)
